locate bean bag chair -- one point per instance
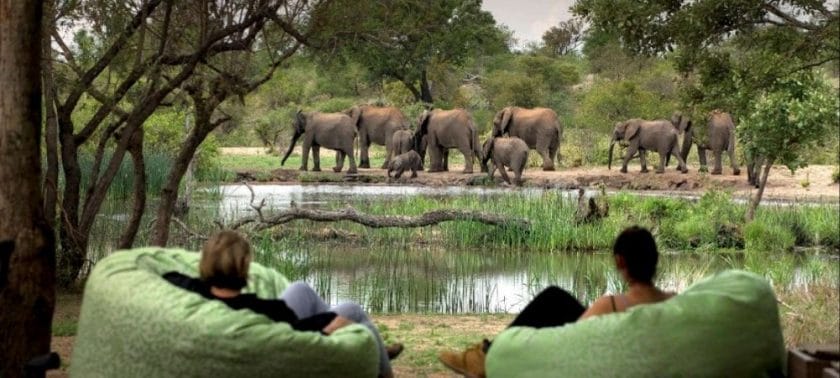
(133, 323)
(726, 325)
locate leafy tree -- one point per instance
(402, 39)
(787, 122)
(743, 56)
(564, 38)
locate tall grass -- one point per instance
(712, 224)
(157, 167)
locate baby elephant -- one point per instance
(506, 152)
(402, 162)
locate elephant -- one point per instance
(405, 161)
(334, 131)
(539, 128)
(376, 125)
(641, 135)
(445, 129)
(511, 152)
(718, 136)
(401, 142)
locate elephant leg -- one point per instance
(631, 150)
(352, 168)
(663, 155)
(445, 160)
(468, 158)
(413, 172)
(339, 161)
(364, 144)
(435, 156)
(399, 173)
(718, 162)
(643, 160)
(680, 162)
(554, 152)
(701, 155)
(732, 159)
(304, 154)
(389, 153)
(548, 157)
(504, 174)
(316, 158)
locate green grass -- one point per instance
(712, 224)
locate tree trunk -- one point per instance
(169, 194)
(27, 249)
(763, 183)
(425, 90)
(139, 188)
(51, 126)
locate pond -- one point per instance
(428, 278)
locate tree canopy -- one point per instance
(402, 39)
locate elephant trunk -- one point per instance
(610, 155)
(688, 139)
(295, 137)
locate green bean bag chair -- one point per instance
(726, 325)
(134, 323)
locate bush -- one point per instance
(761, 237)
(584, 147)
(508, 88)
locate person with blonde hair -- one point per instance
(223, 273)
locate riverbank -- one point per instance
(813, 184)
(808, 316)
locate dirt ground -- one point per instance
(812, 183)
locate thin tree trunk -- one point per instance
(757, 199)
(169, 194)
(27, 248)
(139, 187)
(425, 90)
(50, 186)
(71, 256)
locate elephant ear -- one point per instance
(300, 119)
(423, 123)
(632, 129)
(507, 115)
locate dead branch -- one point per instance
(381, 221)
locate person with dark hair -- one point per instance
(223, 274)
(635, 256)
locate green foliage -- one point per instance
(613, 101)
(557, 74)
(438, 32)
(790, 120)
(508, 88)
(762, 237)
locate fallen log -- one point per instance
(380, 221)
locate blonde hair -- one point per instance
(225, 258)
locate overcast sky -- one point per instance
(529, 19)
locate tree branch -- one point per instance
(792, 21)
(380, 221)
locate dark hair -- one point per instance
(637, 246)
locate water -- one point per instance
(416, 279)
(427, 278)
(236, 199)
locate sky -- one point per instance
(529, 19)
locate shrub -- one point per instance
(508, 88)
(761, 236)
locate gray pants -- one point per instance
(305, 302)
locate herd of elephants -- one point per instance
(516, 130)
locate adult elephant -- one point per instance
(376, 125)
(717, 136)
(334, 131)
(641, 136)
(445, 129)
(539, 128)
